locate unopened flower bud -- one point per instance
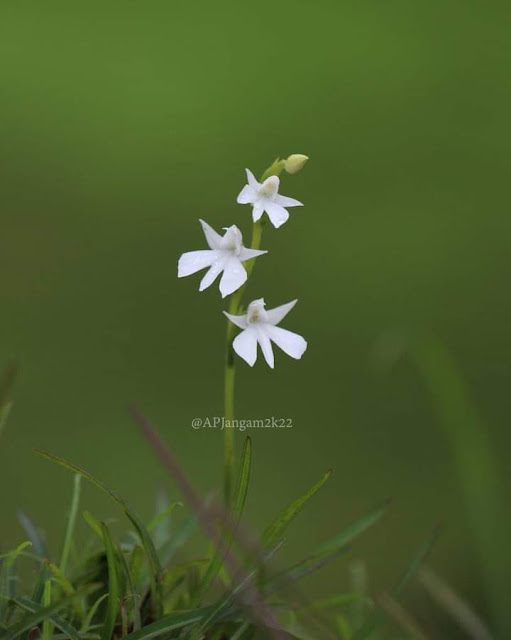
(295, 162)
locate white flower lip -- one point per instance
(225, 255)
(265, 197)
(259, 327)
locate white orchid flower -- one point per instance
(225, 254)
(259, 327)
(266, 197)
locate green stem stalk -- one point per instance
(229, 375)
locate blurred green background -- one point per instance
(124, 122)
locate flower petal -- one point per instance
(234, 276)
(270, 187)
(248, 254)
(252, 180)
(247, 195)
(290, 343)
(239, 321)
(284, 201)
(245, 345)
(277, 314)
(257, 211)
(213, 238)
(194, 261)
(216, 268)
(277, 214)
(265, 344)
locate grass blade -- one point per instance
(136, 521)
(244, 479)
(33, 607)
(238, 505)
(278, 526)
(170, 623)
(423, 552)
(92, 612)
(71, 521)
(8, 578)
(132, 591)
(450, 601)
(478, 470)
(421, 555)
(47, 625)
(354, 530)
(34, 535)
(162, 516)
(113, 585)
(41, 613)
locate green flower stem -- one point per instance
(229, 377)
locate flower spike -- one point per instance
(225, 255)
(265, 197)
(259, 328)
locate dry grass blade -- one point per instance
(452, 603)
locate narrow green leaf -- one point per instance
(172, 576)
(113, 585)
(67, 587)
(299, 570)
(421, 555)
(8, 578)
(34, 535)
(93, 523)
(169, 623)
(137, 522)
(11, 557)
(278, 526)
(71, 521)
(179, 539)
(162, 516)
(136, 564)
(33, 607)
(47, 625)
(353, 531)
(37, 595)
(41, 613)
(238, 505)
(335, 601)
(424, 550)
(132, 595)
(92, 612)
(238, 634)
(243, 480)
(224, 602)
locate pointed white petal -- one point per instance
(277, 314)
(216, 268)
(239, 321)
(291, 343)
(252, 180)
(245, 345)
(194, 261)
(232, 240)
(270, 187)
(248, 254)
(277, 214)
(212, 237)
(265, 344)
(234, 276)
(257, 211)
(247, 195)
(284, 201)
